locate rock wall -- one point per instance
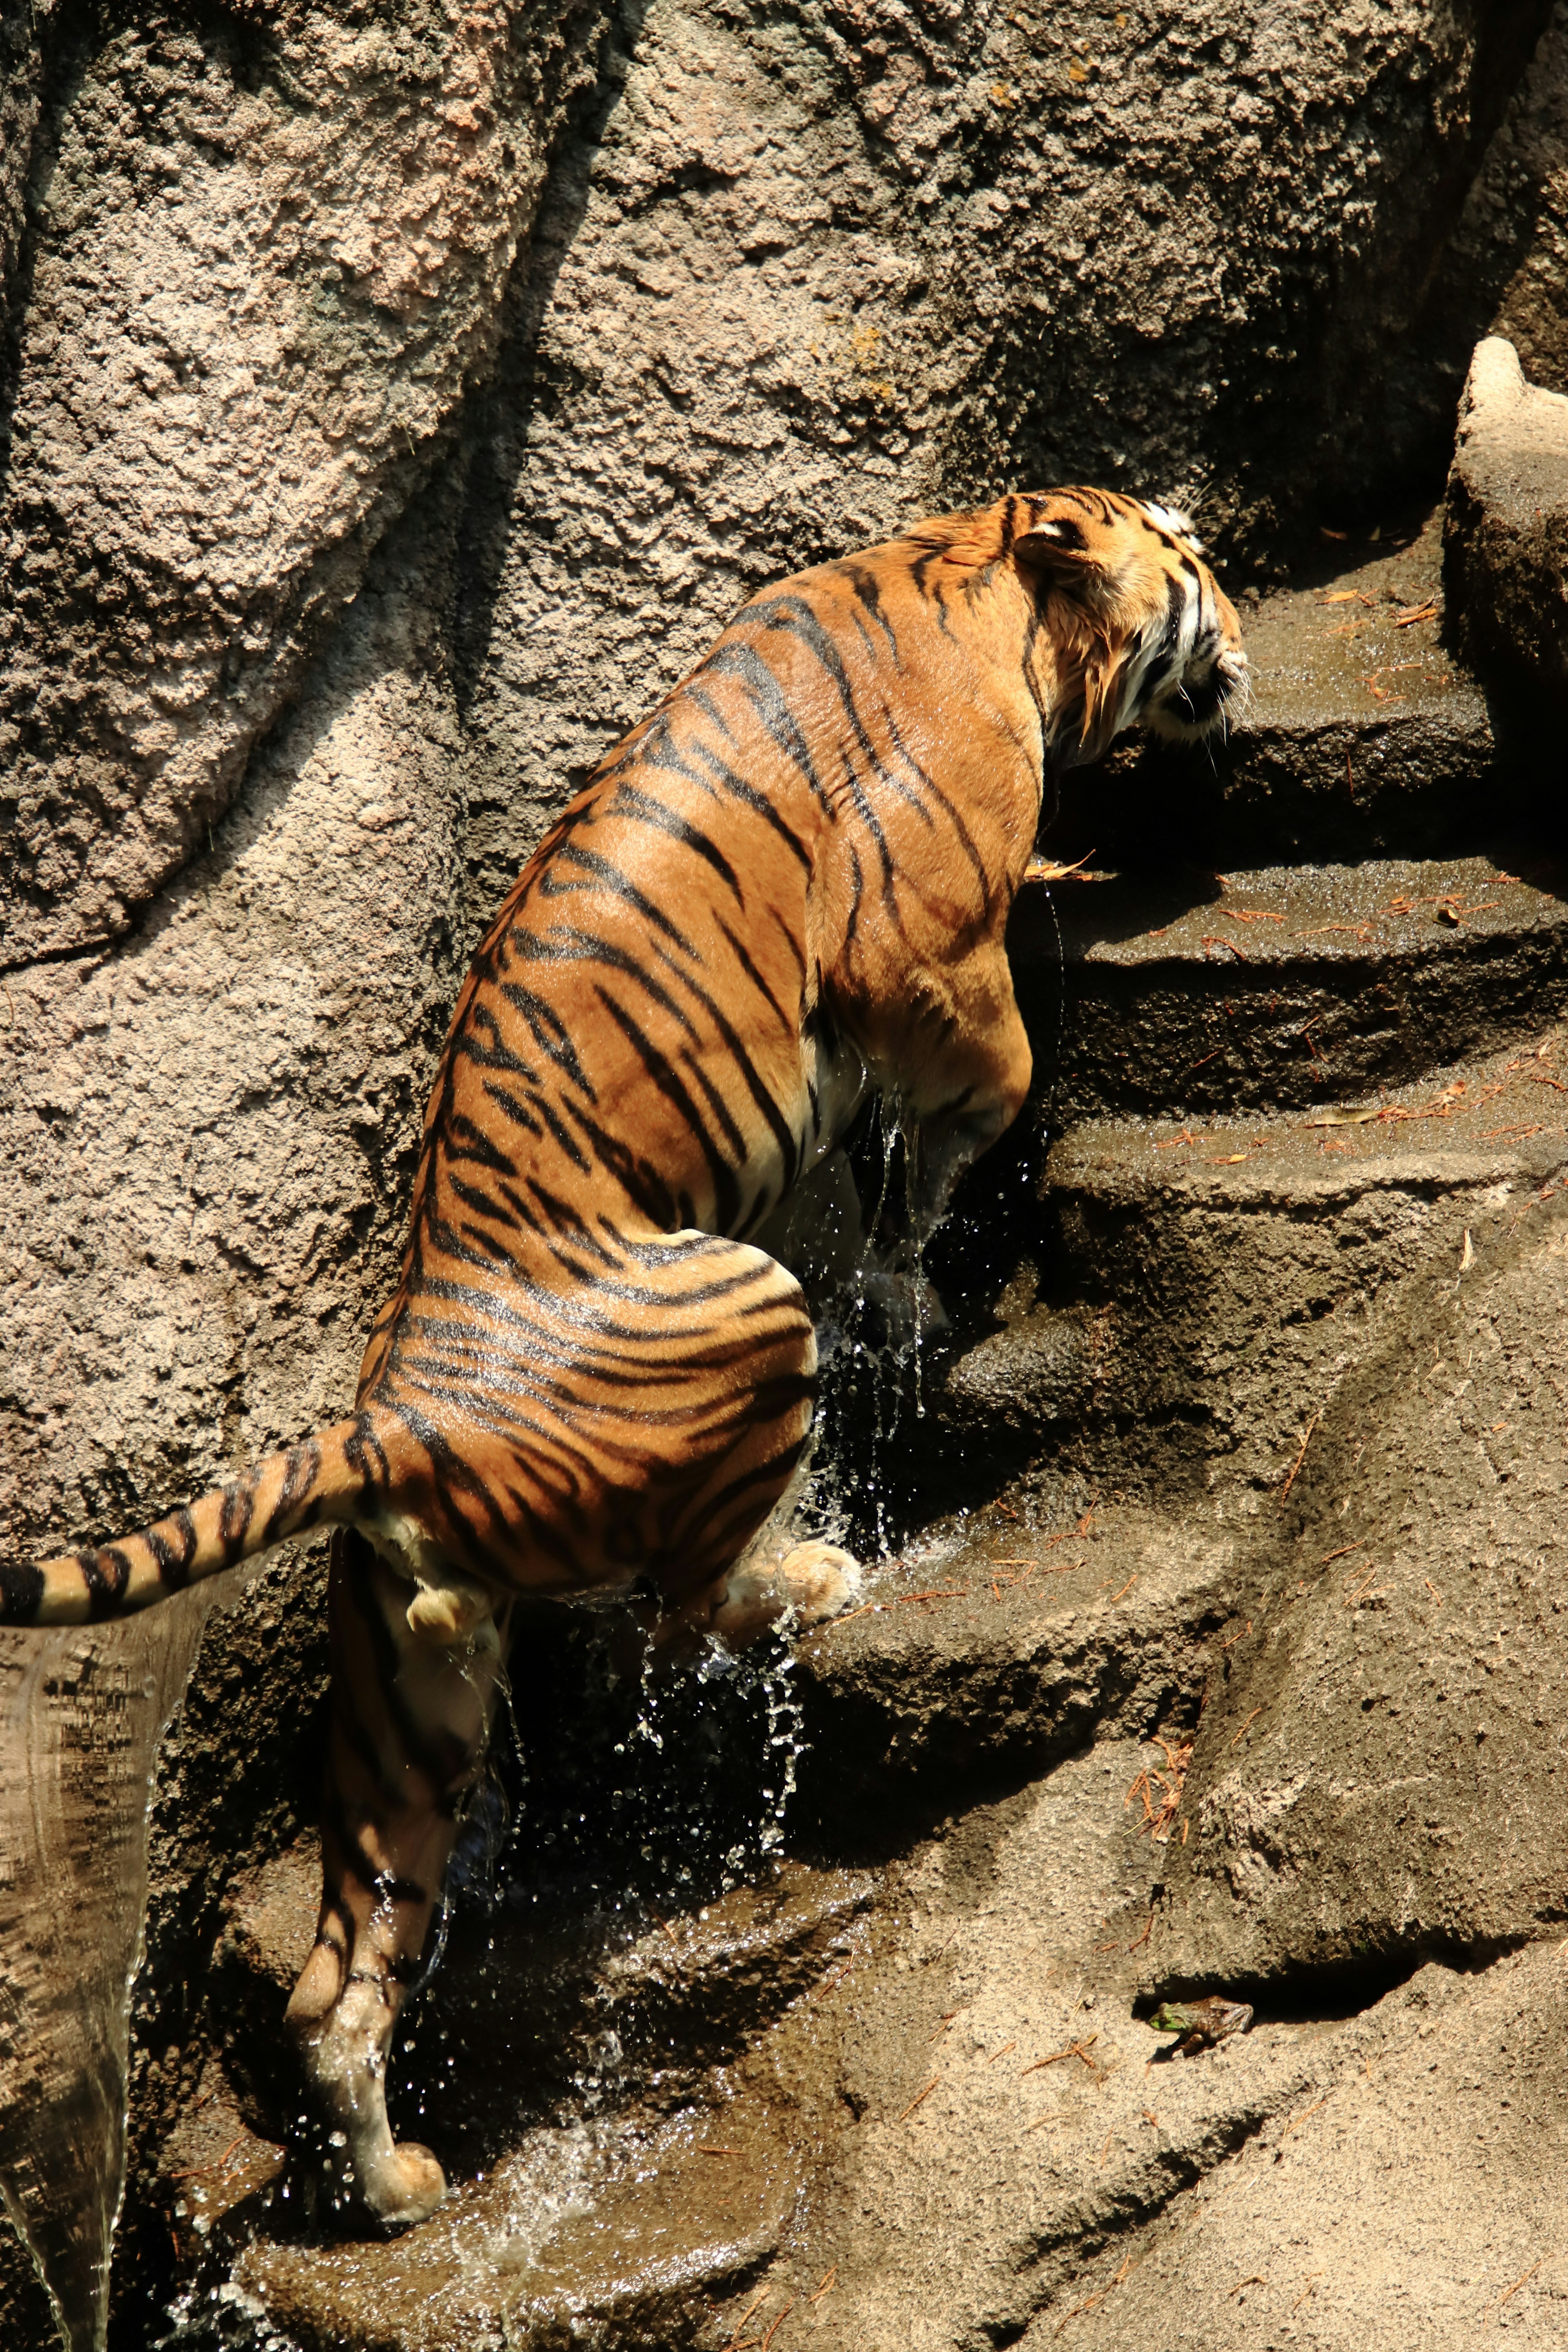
(393, 402)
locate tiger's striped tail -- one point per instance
(339, 1475)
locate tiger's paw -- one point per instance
(819, 1581)
(402, 2185)
(814, 1581)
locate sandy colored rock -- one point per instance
(1506, 542)
(1414, 2197)
(789, 280)
(1375, 1774)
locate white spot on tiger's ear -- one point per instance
(1173, 519)
(1047, 531)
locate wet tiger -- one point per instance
(787, 888)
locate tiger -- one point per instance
(785, 890)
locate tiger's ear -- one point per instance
(1056, 553)
(1057, 537)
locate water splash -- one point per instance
(82, 1712)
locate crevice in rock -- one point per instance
(1337, 1991)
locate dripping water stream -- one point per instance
(82, 1712)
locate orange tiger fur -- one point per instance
(787, 886)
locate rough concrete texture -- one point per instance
(1506, 543)
(1224, 1277)
(950, 2128)
(792, 276)
(1179, 991)
(209, 1137)
(265, 259)
(892, 259)
(1436, 2114)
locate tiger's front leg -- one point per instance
(963, 1074)
(410, 1724)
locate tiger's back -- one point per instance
(750, 917)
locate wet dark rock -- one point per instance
(1506, 541)
(616, 2220)
(1504, 273)
(1041, 1370)
(1241, 1270)
(1287, 988)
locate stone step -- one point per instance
(995, 1647)
(1378, 1775)
(1186, 993)
(973, 2051)
(534, 1994)
(1200, 1288)
(1364, 738)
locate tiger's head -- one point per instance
(1137, 631)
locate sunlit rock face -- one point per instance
(265, 258)
(1506, 540)
(393, 409)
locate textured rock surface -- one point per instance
(1439, 2113)
(798, 275)
(1286, 990)
(1377, 1774)
(1506, 269)
(1506, 546)
(265, 261)
(892, 259)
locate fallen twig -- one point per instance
(919, 2097)
(193, 2170)
(1073, 2050)
(778, 2324)
(754, 2305)
(1300, 1457)
(1522, 2281)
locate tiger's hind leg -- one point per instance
(411, 1714)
